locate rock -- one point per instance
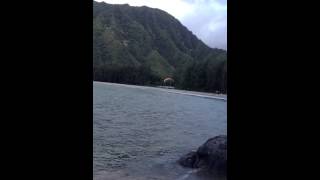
(211, 156)
(189, 160)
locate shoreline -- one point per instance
(175, 91)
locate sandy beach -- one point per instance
(176, 91)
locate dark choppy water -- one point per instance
(139, 133)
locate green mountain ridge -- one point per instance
(142, 45)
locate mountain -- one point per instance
(142, 45)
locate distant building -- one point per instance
(168, 81)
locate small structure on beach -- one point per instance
(168, 81)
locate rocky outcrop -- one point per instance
(211, 156)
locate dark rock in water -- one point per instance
(211, 156)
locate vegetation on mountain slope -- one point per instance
(142, 45)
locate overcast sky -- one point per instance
(207, 19)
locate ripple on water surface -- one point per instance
(139, 133)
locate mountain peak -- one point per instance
(151, 43)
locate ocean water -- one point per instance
(140, 132)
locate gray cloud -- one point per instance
(208, 22)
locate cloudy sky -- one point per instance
(207, 19)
